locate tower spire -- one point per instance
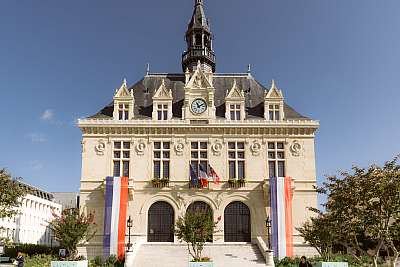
(199, 41)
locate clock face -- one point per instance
(198, 106)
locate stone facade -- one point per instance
(124, 137)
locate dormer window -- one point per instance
(123, 103)
(123, 112)
(274, 114)
(273, 104)
(162, 103)
(234, 104)
(162, 112)
(235, 111)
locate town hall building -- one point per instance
(177, 142)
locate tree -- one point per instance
(196, 228)
(11, 193)
(363, 210)
(72, 228)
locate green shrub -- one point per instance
(112, 261)
(38, 260)
(294, 262)
(30, 249)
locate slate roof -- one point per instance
(144, 90)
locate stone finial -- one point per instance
(147, 68)
(249, 68)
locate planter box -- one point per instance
(69, 264)
(201, 264)
(332, 264)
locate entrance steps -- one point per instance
(176, 255)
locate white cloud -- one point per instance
(36, 137)
(36, 165)
(47, 115)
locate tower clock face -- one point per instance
(198, 106)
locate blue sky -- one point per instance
(336, 61)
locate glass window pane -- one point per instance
(277, 117)
(159, 115)
(165, 115)
(117, 154)
(279, 145)
(166, 169)
(240, 155)
(233, 115)
(232, 170)
(121, 106)
(232, 106)
(281, 155)
(241, 170)
(157, 154)
(159, 106)
(231, 155)
(166, 145)
(271, 155)
(281, 169)
(271, 115)
(194, 145)
(126, 115)
(240, 145)
(271, 145)
(156, 169)
(276, 106)
(195, 166)
(126, 155)
(127, 145)
(231, 145)
(165, 106)
(203, 155)
(238, 115)
(120, 113)
(125, 169)
(116, 171)
(195, 155)
(117, 145)
(271, 107)
(203, 165)
(203, 145)
(237, 106)
(166, 155)
(157, 145)
(271, 167)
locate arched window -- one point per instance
(160, 222)
(237, 227)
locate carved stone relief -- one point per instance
(255, 148)
(100, 147)
(216, 148)
(179, 147)
(140, 147)
(296, 148)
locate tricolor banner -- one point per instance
(116, 202)
(281, 194)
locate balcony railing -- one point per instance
(236, 183)
(199, 52)
(160, 183)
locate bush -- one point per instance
(294, 262)
(112, 261)
(38, 260)
(30, 250)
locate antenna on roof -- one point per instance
(147, 69)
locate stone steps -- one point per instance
(176, 255)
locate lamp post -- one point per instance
(129, 224)
(268, 225)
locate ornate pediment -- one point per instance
(199, 79)
(235, 93)
(274, 92)
(162, 92)
(123, 91)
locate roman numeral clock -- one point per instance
(198, 106)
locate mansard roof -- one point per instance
(145, 89)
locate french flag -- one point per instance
(281, 194)
(213, 174)
(115, 208)
(203, 176)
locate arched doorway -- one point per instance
(160, 223)
(237, 227)
(200, 206)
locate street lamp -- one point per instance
(129, 224)
(268, 225)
